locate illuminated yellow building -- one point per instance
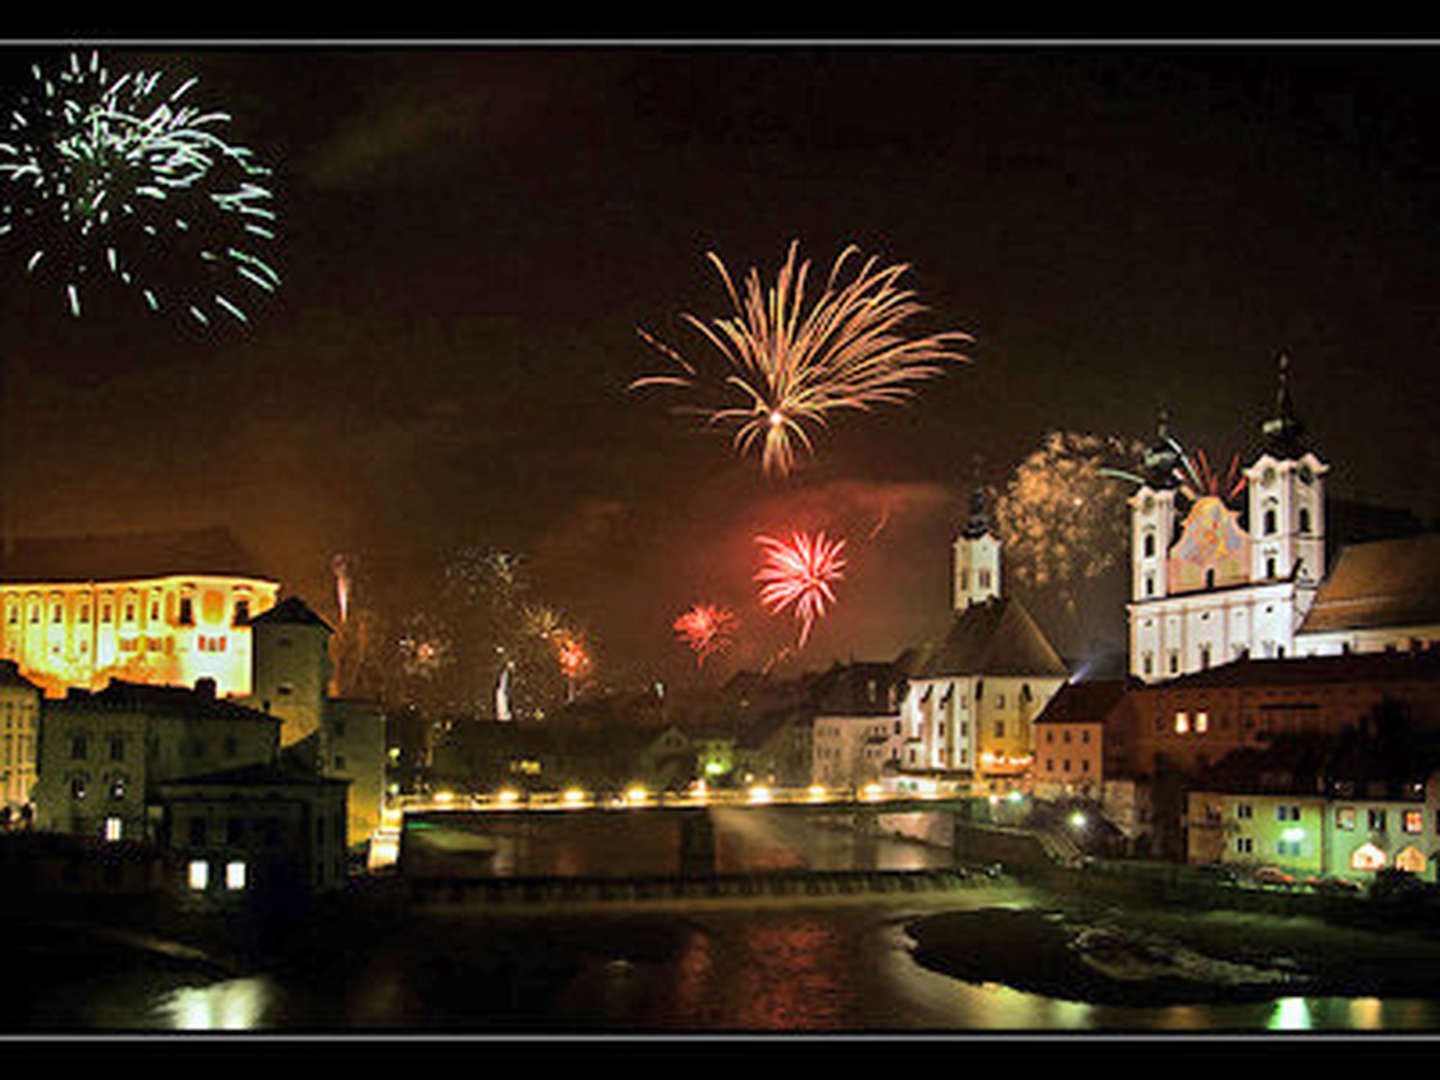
(161, 609)
(1345, 835)
(20, 705)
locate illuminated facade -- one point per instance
(20, 704)
(159, 609)
(1207, 589)
(971, 702)
(1308, 834)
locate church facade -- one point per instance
(1208, 587)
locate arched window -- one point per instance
(1269, 527)
(1149, 544)
(1210, 577)
(1304, 519)
(1270, 566)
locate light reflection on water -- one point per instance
(846, 968)
(231, 1005)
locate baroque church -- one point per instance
(1212, 582)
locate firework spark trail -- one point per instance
(116, 175)
(800, 573)
(791, 368)
(706, 629)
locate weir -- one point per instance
(678, 844)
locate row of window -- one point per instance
(1065, 733)
(1411, 820)
(1065, 765)
(184, 617)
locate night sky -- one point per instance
(471, 236)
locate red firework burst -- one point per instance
(706, 629)
(800, 573)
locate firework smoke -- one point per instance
(792, 368)
(1060, 519)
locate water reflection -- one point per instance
(232, 1005)
(1291, 1014)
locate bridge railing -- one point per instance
(636, 797)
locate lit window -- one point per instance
(1182, 723)
(1345, 818)
(112, 828)
(235, 876)
(1202, 721)
(1414, 821)
(199, 875)
(1367, 857)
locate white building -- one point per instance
(972, 699)
(1207, 589)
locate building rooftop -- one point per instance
(128, 557)
(1378, 584)
(122, 696)
(1422, 665)
(1085, 702)
(998, 637)
(292, 611)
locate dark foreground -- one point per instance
(1154, 956)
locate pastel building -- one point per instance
(1350, 835)
(158, 608)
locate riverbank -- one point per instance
(1152, 956)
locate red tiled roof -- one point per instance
(1382, 583)
(127, 556)
(998, 637)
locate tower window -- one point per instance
(1270, 566)
(1304, 519)
(1210, 577)
(1149, 584)
(187, 611)
(1269, 521)
(1149, 544)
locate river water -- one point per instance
(791, 964)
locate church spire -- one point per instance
(978, 523)
(1162, 458)
(1284, 432)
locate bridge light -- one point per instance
(444, 796)
(573, 797)
(509, 797)
(817, 791)
(636, 794)
(872, 791)
(759, 794)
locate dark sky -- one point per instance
(471, 236)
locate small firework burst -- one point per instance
(800, 573)
(706, 629)
(792, 368)
(117, 177)
(425, 647)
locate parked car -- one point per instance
(1336, 886)
(1273, 875)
